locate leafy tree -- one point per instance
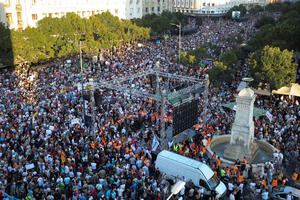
(240, 8)
(193, 57)
(272, 67)
(59, 37)
(219, 74)
(263, 20)
(256, 9)
(160, 24)
(229, 59)
(6, 54)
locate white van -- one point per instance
(175, 165)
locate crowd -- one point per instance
(48, 152)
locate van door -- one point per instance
(204, 184)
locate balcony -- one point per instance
(18, 7)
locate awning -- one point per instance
(294, 90)
(257, 112)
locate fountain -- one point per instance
(241, 142)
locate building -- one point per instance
(157, 6)
(213, 7)
(19, 14)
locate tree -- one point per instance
(263, 20)
(240, 8)
(219, 74)
(273, 67)
(6, 54)
(193, 57)
(256, 9)
(229, 59)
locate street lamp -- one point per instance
(176, 188)
(179, 39)
(81, 80)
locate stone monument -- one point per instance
(242, 134)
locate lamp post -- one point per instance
(179, 39)
(81, 80)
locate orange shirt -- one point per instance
(240, 178)
(274, 182)
(295, 176)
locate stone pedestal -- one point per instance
(242, 134)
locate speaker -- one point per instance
(185, 116)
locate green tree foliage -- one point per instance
(240, 8)
(193, 57)
(264, 20)
(229, 59)
(219, 73)
(160, 24)
(285, 33)
(59, 37)
(272, 67)
(256, 9)
(6, 54)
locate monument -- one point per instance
(242, 134)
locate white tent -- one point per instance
(294, 90)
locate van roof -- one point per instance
(187, 161)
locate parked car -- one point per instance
(282, 193)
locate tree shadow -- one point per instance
(6, 50)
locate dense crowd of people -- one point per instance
(48, 152)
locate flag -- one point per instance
(155, 144)
(269, 115)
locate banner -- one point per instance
(155, 144)
(269, 115)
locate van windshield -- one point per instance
(213, 181)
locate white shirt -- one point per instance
(230, 186)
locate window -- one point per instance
(33, 2)
(130, 2)
(203, 4)
(152, 9)
(147, 10)
(34, 16)
(93, 12)
(116, 11)
(50, 14)
(131, 11)
(203, 12)
(19, 16)
(208, 4)
(7, 3)
(212, 4)
(138, 10)
(212, 12)
(9, 18)
(158, 1)
(158, 9)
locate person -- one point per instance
(265, 195)
(213, 194)
(289, 196)
(231, 196)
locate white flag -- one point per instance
(155, 143)
(269, 115)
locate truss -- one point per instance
(116, 85)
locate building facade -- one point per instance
(213, 7)
(19, 14)
(157, 6)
